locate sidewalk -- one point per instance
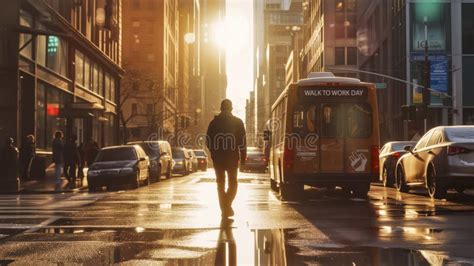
(48, 185)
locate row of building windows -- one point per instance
(345, 56)
(92, 77)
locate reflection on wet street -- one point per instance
(177, 222)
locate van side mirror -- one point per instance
(267, 134)
(408, 148)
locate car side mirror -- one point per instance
(408, 148)
(267, 135)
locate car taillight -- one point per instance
(288, 158)
(264, 159)
(374, 159)
(396, 154)
(453, 150)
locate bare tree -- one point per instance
(143, 91)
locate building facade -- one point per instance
(213, 61)
(60, 70)
(392, 38)
(330, 37)
(150, 88)
(280, 19)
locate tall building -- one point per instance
(150, 88)
(330, 35)
(392, 41)
(191, 96)
(213, 60)
(60, 69)
(280, 19)
(250, 119)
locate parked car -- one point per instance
(183, 164)
(161, 159)
(194, 160)
(202, 159)
(255, 161)
(443, 158)
(388, 158)
(119, 165)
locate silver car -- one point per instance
(442, 159)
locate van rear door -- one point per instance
(331, 138)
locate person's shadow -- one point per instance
(226, 248)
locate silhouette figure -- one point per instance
(227, 144)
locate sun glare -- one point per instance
(232, 34)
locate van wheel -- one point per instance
(158, 174)
(135, 183)
(273, 185)
(400, 180)
(147, 180)
(361, 190)
(291, 191)
(436, 188)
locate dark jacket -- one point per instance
(58, 148)
(71, 153)
(226, 139)
(27, 152)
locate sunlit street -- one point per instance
(177, 221)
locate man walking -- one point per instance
(58, 159)
(71, 159)
(227, 144)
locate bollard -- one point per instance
(9, 181)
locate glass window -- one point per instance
(117, 154)
(27, 49)
(436, 138)
(331, 117)
(87, 73)
(79, 68)
(359, 120)
(107, 86)
(468, 80)
(460, 134)
(41, 48)
(41, 138)
(56, 55)
(340, 56)
(134, 109)
(100, 89)
(55, 102)
(298, 117)
(351, 55)
(95, 79)
(467, 28)
(112, 89)
(422, 142)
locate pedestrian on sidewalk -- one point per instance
(226, 141)
(58, 160)
(27, 155)
(91, 149)
(80, 167)
(71, 159)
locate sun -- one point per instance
(232, 33)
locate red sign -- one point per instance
(52, 109)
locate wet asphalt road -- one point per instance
(177, 222)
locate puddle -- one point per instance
(228, 245)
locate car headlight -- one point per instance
(93, 173)
(126, 171)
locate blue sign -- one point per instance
(439, 74)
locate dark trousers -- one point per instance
(70, 171)
(226, 197)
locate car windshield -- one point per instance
(460, 134)
(200, 153)
(117, 154)
(400, 146)
(151, 149)
(178, 153)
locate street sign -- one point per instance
(380, 86)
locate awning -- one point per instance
(86, 106)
